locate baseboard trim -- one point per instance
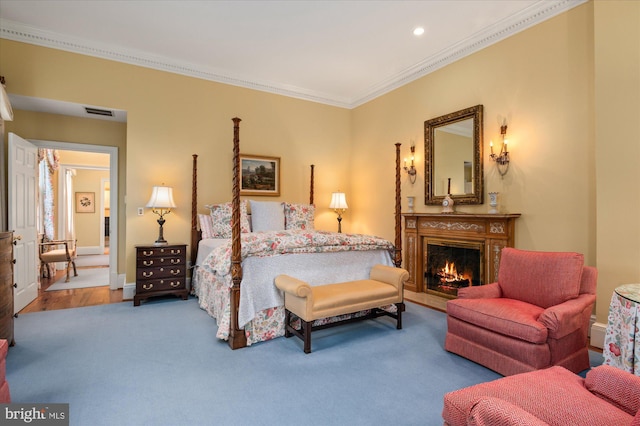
(598, 331)
(89, 250)
(128, 291)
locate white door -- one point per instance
(23, 184)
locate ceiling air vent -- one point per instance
(97, 111)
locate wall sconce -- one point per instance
(501, 159)
(339, 205)
(161, 202)
(411, 170)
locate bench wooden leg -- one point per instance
(306, 328)
(400, 309)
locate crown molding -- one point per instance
(538, 12)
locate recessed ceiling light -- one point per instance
(418, 31)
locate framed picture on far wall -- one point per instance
(85, 202)
(259, 175)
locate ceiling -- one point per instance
(341, 53)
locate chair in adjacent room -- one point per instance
(58, 251)
(535, 316)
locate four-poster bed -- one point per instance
(250, 262)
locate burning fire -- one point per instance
(449, 274)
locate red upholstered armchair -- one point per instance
(535, 316)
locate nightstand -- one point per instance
(160, 270)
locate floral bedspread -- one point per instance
(212, 281)
(288, 242)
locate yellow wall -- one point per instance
(617, 150)
(87, 225)
(567, 88)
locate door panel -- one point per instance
(22, 183)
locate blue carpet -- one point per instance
(160, 364)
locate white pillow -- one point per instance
(267, 216)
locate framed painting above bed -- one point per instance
(260, 175)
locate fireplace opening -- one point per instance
(451, 265)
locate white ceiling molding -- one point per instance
(538, 12)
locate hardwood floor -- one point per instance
(65, 299)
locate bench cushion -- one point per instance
(342, 298)
(353, 293)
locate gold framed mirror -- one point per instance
(453, 157)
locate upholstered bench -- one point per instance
(309, 303)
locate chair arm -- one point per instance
(293, 286)
(567, 317)
(389, 275)
(54, 243)
(490, 411)
(489, 291)
(615, 386)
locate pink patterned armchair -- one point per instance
(553, 396)
(535, 316)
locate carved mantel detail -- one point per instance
(453, 226)
(495, 231)
(496, 228)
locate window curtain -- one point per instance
(49, 161)
(70, 228)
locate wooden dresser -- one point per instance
(160, 270)
(6, 287)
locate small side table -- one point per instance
(160, 270)
(622, 338)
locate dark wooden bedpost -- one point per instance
(397, 258)
(311, 186)
(237, 338)
(194, 211)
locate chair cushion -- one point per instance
(540, 278)
(57, 255)
(509, 317)
(615, 386)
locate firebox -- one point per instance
(450, 265)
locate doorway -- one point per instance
(114, 280)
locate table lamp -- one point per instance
(161, 203)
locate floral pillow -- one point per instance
(299, 216)
(205, 221)
(221, 215)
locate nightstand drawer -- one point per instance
(160, 285)
(151, 262)
(144, 252)
(161, 272)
